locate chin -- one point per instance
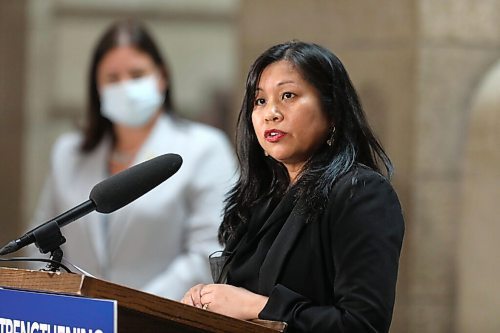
(277, 157)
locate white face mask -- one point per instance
(133, 102)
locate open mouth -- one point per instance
(273, 135)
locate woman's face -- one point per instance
(287, 116)
(124, 63)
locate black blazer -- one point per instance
(336, 273)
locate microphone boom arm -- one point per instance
(61, 220)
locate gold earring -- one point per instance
(331, 139)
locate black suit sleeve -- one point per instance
(363, 228)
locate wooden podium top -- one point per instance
(134, 307)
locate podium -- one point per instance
(137, 311)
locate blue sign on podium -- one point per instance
(33, 312)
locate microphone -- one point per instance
(109, 195)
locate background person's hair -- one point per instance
(127, 32)
(353, 141)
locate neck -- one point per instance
(129, 141)
(294, 171)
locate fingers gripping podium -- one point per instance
(137, 311)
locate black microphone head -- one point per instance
(121, 189)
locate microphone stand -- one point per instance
(56, 257)
(48, 238)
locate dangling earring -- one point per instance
(331, 139)
(266, 153)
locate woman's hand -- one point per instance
(226, 299)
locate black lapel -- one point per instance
(284, 207)
(235, 245)
(275, 258)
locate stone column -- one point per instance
(478, 290)
(12, 72)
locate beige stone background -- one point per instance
(428, 73)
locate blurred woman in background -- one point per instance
(160, 242)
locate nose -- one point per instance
(273, 114)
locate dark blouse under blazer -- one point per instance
(336, 273)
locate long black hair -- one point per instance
(352, 142)
(127, 32)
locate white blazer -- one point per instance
(159, 243)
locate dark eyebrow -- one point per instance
(285, 82)
(279, 84)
